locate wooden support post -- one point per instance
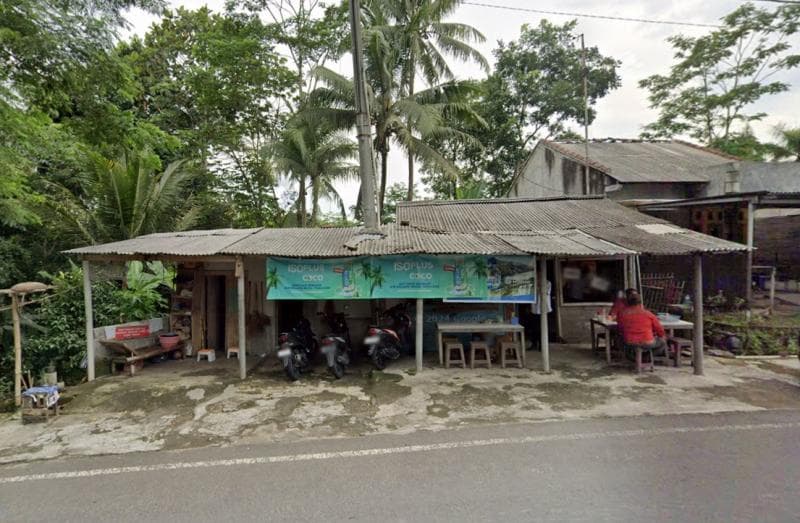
(242, 315)
(751, 220)
(697, 353)
(15, 313)
(542, 298)
(630, 263)
(87, 309)
(418, 333)
(557, 298)
(772, 291)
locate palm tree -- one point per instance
(789, 145)
(127, 197)
(410, 121)
(425, 40)
(315, 155)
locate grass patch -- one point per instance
(760, 335)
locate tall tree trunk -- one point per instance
(314, 200)
(410, 196)
(384, 166)
(301, 200)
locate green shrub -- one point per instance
(60, 336)
(54, 330)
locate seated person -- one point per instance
(620, 302)
(618, 306)
(638, 326)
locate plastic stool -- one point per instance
(476, 347)
(449, 348)
(208, 354)
(505, 347)
(232, 350)
(679, 345)
(639, 352)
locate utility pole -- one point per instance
(585, 74)
(363, 126)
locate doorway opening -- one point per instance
(215, 312)
(289, 313)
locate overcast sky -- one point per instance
(641, 47)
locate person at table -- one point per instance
(639, 326)
(619, 305)
(621, 302)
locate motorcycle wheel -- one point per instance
(378, 360)
(337, 369)
(291, 371)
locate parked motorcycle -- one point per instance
(297, 349)
(386, 343)
(336, 344)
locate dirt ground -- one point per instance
(185, 404)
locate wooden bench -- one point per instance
(131, 354)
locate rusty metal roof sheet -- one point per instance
(186, 243)
(658, 161)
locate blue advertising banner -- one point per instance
(456, 278)
(428, 277)
(323, 279)
(509, 279)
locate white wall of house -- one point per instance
(548, 173)
(541, 176)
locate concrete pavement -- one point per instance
(185, 404)
(722, 467)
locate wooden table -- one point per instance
(611, 325)
(472, 328)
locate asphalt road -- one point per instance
(733, 467)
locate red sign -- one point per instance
(128, 332)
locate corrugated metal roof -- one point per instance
(519, 214)
(683, 241)
(586, 226)
(564, 243)
(632, 161)
(187, 243)
(331, 243)
(628, 230)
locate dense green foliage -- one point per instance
(717, 77)
(53, 330)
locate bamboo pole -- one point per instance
(15, 318)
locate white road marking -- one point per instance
(389, 450)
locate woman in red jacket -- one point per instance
(640, 327)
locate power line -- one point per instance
(588, 15)
(790, 2)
